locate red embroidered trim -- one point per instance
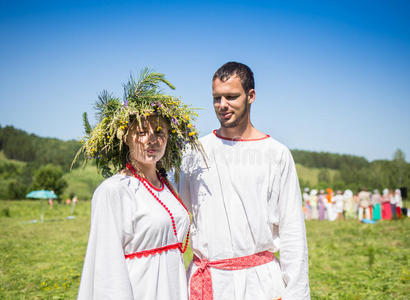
(152, 251)
(154, 187)
(240, 140)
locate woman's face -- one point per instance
(147, 143)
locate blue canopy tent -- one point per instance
(42, 194)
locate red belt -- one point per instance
(153, 251)
(201, 281)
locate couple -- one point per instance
(239, 184)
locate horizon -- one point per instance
(330, 77)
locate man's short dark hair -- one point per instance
(230, 69)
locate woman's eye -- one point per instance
(142, 132)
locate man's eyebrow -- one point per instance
(227, 94)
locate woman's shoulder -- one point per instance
(114, 184)
(115, 191)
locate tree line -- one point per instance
(45, 162)
(51, 158)
(355, 172)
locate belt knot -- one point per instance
(203, 264)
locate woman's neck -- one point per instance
(148, 171)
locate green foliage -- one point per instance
(12, 178)
(324, 179)
(309, 176)
(16, 189)
(82, 182)
(87, 126)
(49, 177)
(400, 164)
(19, 145)
(328, 160)
(351, 172)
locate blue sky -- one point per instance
(330, 76)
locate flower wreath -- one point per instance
(142, 98)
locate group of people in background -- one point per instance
(364, 206)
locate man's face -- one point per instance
(231, 103)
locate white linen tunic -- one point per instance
(126, 218)
(247, 201)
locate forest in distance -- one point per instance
(28, 162)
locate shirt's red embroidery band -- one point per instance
(152, 251)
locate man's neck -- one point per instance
(245, 131)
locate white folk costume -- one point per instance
(132, 251)
(246, 205)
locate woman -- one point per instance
(393, 206)
(376, 200)
(138, 223)
(399, 202)
(339, 205)
(322, 201)
(313, 204)
(349, 204)
(386, 208)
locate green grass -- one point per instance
(347, 260)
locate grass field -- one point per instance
(347, 260)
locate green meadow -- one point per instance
(348, 260)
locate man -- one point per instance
(245, 202)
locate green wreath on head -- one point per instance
(105, 142)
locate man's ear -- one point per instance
(251, 96)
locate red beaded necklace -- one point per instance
(144, 182)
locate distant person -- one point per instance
(393, 202)
(329, 195)
(306, 204)
(399, 203)
(376, 201)
(331, 206)
(68, 201)
(138, 223)
(339, 205)
(75, 200)
(349, 204)
(313, 200)
(364, 203)
(386, 207)
(322, 203)
(50, 203)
